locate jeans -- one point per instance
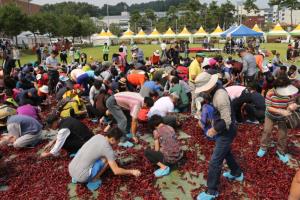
(222, 151)
(117, 113)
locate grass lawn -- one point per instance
(96, 52)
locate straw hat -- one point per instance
(156, 53)
(205, 81)
(6, 111)
(44, 89)
(287, 91)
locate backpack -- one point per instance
(61, 104)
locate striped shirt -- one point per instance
(275, 101)
(131, 101)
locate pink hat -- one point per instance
(212, 62)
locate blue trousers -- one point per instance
(222, 151)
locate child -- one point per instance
(142, 115)
(167, 150)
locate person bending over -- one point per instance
(72, 134)
(94, 157)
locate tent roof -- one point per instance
(296, 31)
(240, 31)
(141, 34)
(128, 34)
(217, 31)
(256, 28)
(169, 32)
(109, 34)
(184, 32)
(278, 30)
(200, 31)
(154, 34)
(102, 33)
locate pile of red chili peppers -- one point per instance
(29, 177)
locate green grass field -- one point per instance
(96, 52)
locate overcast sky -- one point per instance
(260, 3)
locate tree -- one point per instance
(87, 26)
(249, 5)
(277, 3)
(226, 14)
(150, 15)
(135, 18)
(115, 29)
(12, 20)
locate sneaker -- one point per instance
(94, 120)
(126, 144)
(261, 152)
(92, 186)
(162, 172)
(283, 157)
(74, 181)
(206, 196)
(252, 122)
(233, 178)
(129, 135)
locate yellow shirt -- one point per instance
(194, 69)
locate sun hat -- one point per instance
(205, 81)
(212, 62)
(122, 81)
(174, 95)
(200, 54)
(11, 101)
(44, 89)
(156, 53)
(38, 77)
(135, 47)
(287, 91)
(6, 111)
(63, 78)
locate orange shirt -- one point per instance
(259, 62)
(136, 79)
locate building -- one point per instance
(250, 21)
(271, 14)
(25, 5)
(121, 20)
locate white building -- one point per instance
(122, 20)
(271, 14)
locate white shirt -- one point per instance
(162, 107)
(61, 137)
(53, 62)
(235, 91)
(92, 94)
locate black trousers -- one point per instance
(155, 156)
(53, 80)
(253, 113)
(93, 112)
(105, 57)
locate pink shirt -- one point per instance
(28, 110)
(234, 91)
(131, 101)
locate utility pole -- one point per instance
(107, 13)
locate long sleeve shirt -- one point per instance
(249, 65)
(221, 103)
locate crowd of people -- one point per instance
(126, 88)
